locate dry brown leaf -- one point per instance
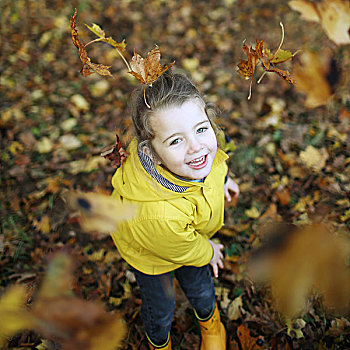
(245, 340)
(283, 196)
(148, 70)
(311, 78)
(88, 67)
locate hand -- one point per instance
(231, 186)
(217, 259)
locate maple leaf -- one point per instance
(247, 67)
(115, 154)
(148, 70)
(88, 67)
(267, 60)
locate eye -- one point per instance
(201, 130)
(174, 142)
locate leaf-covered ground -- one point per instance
(292, 163)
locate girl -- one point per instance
(175, 174)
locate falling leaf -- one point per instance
(311, 77)
(308, 10)
(75, 323)
(99, 212)
(246, 341)
(13, 316)
(44, 145)
(102, 37)
(334, 16)
(115, 154)
(148, 70)
(314, 158)
(300, 261)
(247, 67)
(88, 67)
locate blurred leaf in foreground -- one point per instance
(334, 16)
(99, 212)
(59, 315)
(313, 75)
(14, 317)
(298, 261)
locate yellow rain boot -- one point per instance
(213, 332)
(167, 345)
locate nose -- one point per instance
(194, 146)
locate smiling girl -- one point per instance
(176, 174)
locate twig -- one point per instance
(144, 97)
(281, 24)
(92, 41)
(125, 61)
(258, 82)
(250, 89)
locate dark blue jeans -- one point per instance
(158, 299)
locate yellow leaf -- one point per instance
(13, 316)
(335, 20)
(253, 212)
(311, 77)
(307, 10)
(314, 158)
(99, 212)
(346, 216)
(109, 335)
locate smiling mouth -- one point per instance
(198, 162)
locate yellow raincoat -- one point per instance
(175, 218)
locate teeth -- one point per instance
(197, 161)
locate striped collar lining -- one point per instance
(152, 171)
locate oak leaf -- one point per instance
(88, 67)
(148, 70)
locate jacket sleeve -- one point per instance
(173, 240)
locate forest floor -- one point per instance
(54, 123)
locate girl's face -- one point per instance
(184, 140)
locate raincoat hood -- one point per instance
(139, 179)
